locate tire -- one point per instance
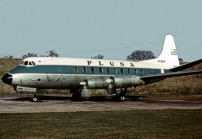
(122, 98)
(34, 99)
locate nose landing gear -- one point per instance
(34, 98)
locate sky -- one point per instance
(86, 28)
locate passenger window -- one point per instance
(115, 71)
(100, 70)
(141, 72)
(135, 71)
(129, 71)
(121, 70)
(84, 69)
(108, 71)
(75, 70)
(92, 70)
(30, 63)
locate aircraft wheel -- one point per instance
(34, 99)
(122, 98)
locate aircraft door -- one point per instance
(53, 75)
(55, 78)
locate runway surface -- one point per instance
(15, 103)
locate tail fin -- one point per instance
(168, 56)
(169, 52)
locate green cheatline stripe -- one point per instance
(55, 69)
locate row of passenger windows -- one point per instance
(101, 70)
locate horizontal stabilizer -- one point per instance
(186, 66)
(155, 78)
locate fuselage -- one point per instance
(63, 73)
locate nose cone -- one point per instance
(7, 79)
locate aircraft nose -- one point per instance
(7, 79)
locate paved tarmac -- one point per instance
(18, 103)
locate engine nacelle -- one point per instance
(112, 82)
(126, 81)
(95, 83)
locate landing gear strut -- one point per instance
(121, 96)
(76, 94)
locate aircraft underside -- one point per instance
(76, 83)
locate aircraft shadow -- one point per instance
(89, 98)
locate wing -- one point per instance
(155, 78)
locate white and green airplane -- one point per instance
(76, 74)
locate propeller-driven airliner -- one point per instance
(76, 74)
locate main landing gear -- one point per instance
(122, 98)
(76, 94)
(122, 95)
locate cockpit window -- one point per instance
(25, 63)
(28, 63)
(22, 63)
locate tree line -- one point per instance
(134, 56)
(50, 53)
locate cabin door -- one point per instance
(53, 75)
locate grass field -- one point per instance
(111, 124)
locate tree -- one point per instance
(141, 55)
(52, 53)
(98, 57)
(29, 55)
(8, 57)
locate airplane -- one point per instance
(77, 74)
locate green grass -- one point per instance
(110, 124)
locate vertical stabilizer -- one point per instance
(168, 56)
(169, 52)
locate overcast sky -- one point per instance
(113, 28)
